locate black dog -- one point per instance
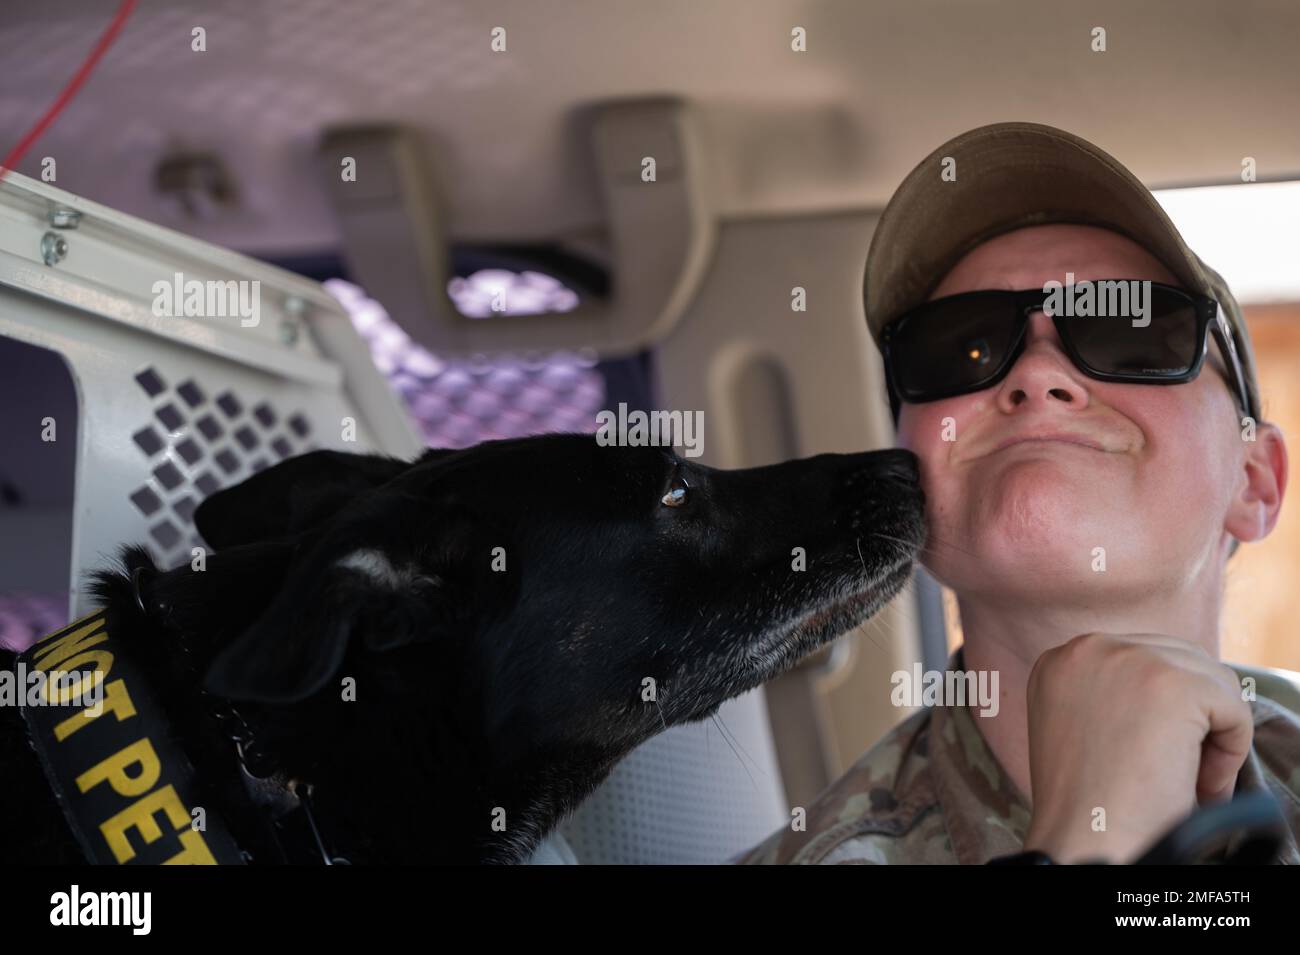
(514, 618)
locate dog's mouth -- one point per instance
(785, 643)
(855, 607)
(860, 604)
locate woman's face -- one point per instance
(1026, 479)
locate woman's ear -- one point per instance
(1255, 509)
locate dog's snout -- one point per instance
(894, 464)
(899, 465)
(884, 497)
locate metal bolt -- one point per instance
(64, 218)
(53, 248)
(296, 309)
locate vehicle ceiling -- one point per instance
(1183, 92)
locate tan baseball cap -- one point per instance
(1010, 175)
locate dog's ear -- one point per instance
(292, 496)
(367, 581)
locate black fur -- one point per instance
(478, 688)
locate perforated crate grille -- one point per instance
(462, 402)
(202, 436)
(199, 439)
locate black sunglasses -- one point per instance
(963, 343)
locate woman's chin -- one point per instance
(1017, 549)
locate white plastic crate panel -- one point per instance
(162, 426)
(171, 408)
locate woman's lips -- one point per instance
(1105, 440)
(1048, 439)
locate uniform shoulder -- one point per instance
(884, 795)
(1281, 687)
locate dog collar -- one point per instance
(126, 788)
(285, 800)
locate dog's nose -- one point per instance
(890, 470)
(893, 464)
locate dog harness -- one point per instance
(120, 773)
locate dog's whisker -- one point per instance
(722, 725)
(660, 709)
(890, 633)
(939, 541)
(867, 633)
(752, 781)
(904, 550)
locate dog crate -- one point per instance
(119, 413)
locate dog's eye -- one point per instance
(677, 492)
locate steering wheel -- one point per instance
(1202, 838)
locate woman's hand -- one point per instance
(1127, 732)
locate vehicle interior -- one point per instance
(501, 148)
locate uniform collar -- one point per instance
(985, 812)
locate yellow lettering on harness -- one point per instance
(83, 638)
(70, 687)
(140, 816)
(196, 851)
(140, 753)
(116, 701)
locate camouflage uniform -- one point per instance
(931, 791)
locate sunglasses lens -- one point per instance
(953, 345)
(1164, 343)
